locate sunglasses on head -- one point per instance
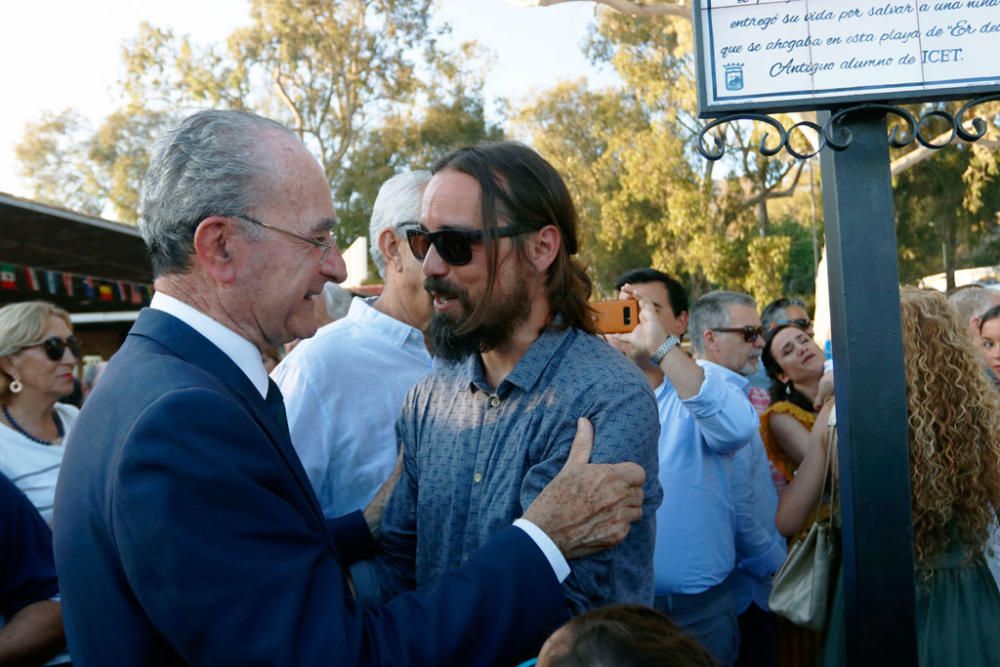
(453, 245)
(750, 333)
(55, 347)
(800, 323)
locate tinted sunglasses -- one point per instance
(802, 324)
(750, 333)
(453, 245)
(55, 347)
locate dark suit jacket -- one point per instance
(186, 532)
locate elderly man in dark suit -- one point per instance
(186, 531)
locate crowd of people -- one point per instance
(461, 470)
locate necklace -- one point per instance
(17, 427)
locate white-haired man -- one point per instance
(342, 422)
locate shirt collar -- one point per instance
(242, 352)
(363, 312)
(741, 382)
(528, 369)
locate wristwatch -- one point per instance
(670, 343)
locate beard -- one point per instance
(502, 313)
(750, 367)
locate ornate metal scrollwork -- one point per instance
(837, 136)
(718, 148)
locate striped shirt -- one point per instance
(32, 466)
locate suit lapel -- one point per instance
(191, 346)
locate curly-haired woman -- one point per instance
(954, 436)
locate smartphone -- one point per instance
(617, 316)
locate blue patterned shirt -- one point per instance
(475, 458)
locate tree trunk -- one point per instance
(948, 248)
(763, 222)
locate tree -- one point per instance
(341, 74)
(947, 212)
(678, 8)
(50, 157)
(635, 38)
(646, 195)
(453, 114)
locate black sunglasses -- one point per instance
(454, 245)
(750, 333)
(55, 347)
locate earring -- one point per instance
(15, 385)
(788, 389)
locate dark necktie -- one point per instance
(276, 404)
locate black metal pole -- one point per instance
(877, 532)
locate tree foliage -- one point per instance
(948, 211)
(646, 196)
(365, 84)
(655, 201)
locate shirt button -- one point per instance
(477, 478)
(494, 401)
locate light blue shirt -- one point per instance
(760, 548)
(695, 546)
(343, 390)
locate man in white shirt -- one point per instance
(344, 386)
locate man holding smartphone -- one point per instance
(706, 520)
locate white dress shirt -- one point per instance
(243, 353)
(343, 390)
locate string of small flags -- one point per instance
(13, 276)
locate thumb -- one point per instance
(583, 443)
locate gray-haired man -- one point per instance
(342, 422)
(716, 491)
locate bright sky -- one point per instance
(66, 53)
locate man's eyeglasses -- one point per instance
(800, 323)
(326, 246)
(454, 245)
(55, 347)
(750, 333)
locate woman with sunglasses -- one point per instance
(794, 363)
(954, 460)
(38, 352)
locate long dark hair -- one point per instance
(782, 391)
(521, 187)
(991, 314)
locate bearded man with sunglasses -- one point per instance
(486, 431)
(187, 532)
(713, 517)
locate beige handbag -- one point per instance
(801, 587)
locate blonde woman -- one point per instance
(954, 434)
(38, 352)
